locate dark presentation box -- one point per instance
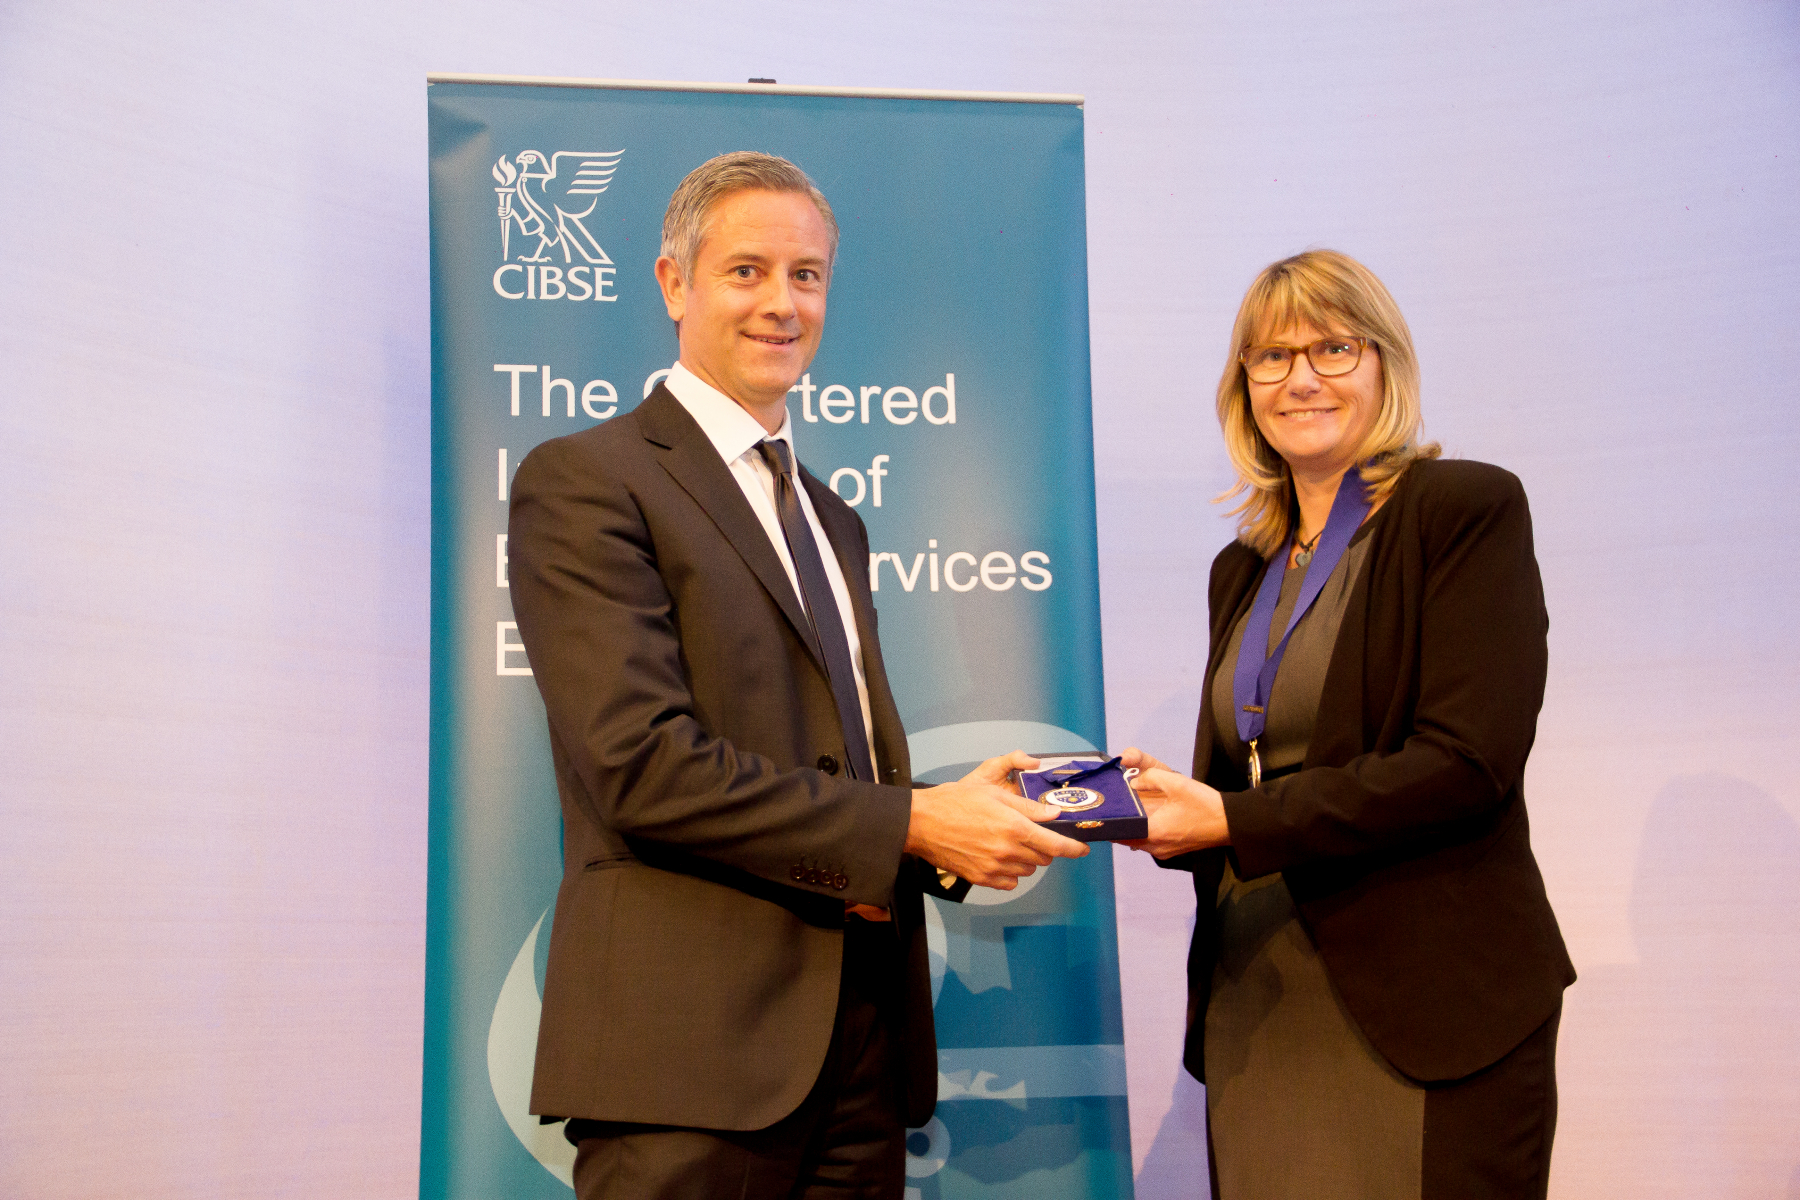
(1109, 811)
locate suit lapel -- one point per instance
(694, 463)
(1338, 732)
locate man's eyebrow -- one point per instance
(751, 257)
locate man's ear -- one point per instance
(674, 288)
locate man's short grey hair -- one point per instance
(684, 225)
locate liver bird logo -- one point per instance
(548, 198)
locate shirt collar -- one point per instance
(725, 422)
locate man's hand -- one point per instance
(980, 831)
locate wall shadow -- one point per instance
(1684, 1062)
(1175, 1167)
(1177, 1155)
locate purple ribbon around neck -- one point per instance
(1253, 679)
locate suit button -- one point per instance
(799, 874)
(840, 881)
(828, 763)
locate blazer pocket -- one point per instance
(608, 862)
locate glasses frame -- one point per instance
(1362, 344)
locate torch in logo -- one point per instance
(508, 175)
(548, 198)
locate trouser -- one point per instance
(846, 1141)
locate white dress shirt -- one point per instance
(735, 434)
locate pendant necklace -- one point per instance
(1306, 550)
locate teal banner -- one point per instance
(950, 404)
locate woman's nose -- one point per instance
(1302, 380)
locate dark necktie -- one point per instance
(821, 607)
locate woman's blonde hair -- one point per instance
(1333, 293)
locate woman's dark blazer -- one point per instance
(1403, 837)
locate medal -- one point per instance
(1072, 799)
(1253, 677)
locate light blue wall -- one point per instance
(213, 470)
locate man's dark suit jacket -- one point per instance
(711, 837)
(1404, 839)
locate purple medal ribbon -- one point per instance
(1253, 680)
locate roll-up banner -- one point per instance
(949, 404)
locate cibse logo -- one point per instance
(544, 202)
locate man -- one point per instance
(737, 1001)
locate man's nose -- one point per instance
(778, 298)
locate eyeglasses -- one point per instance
(1328, 356)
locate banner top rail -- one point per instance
(756, 88)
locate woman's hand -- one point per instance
(1131, 756)
(1185, 815)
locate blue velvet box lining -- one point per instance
(1118, 817)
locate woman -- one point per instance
(1376, 976)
